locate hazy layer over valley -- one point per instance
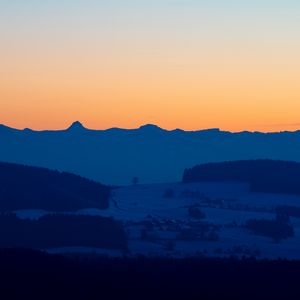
(152, 154)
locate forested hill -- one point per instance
(24, 187)
(263, 175)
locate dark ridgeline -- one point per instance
(24, 187)
(56, 231)
(26, 274)
(270, 176)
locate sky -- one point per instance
(190, 64)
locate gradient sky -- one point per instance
(232, 64)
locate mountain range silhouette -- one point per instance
(116, 155)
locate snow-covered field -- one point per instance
(160, 225)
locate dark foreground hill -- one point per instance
(23, 187)
(26, 274)
(263, 175)
(57, 231)
(155, 155)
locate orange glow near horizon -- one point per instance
(185, 98)
(196, 69)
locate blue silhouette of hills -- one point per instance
(116, 155)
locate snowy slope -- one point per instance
(227, 207)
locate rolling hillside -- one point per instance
(24, 187)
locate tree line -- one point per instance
(270, 176)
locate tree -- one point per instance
(196, 213)
(169, 193)
(135, 180)
(275, 229)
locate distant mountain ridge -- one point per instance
(77, 125)
(115, 155)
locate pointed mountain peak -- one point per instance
(76, 126)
